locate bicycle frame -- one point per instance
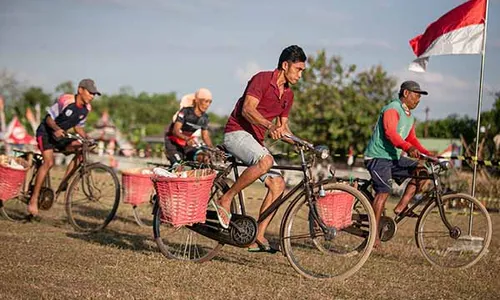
(81, 159)
(433, 195)
(305, 184)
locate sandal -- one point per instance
(262, 247)
(405, 213)
(219, 209)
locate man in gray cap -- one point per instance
(393, 134)
(70, 111)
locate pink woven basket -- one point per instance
(137, 187)
(335, 209)
(184, 201)
(11, 181)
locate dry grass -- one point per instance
(48, 260)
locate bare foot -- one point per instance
(33, 209)
(224, 203)
(377, 244)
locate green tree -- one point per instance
(336, 106)
(11, 89)
(65, 87)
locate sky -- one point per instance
(161, 46)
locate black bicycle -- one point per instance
(453, 230)
(319, 237)
(92, 191)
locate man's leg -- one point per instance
(173, 151)
(405, 168)
(380, 171)
(378, 208)
(276, 186)
(250, 175)
(73, 146)
(48, 162)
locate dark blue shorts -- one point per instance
(383, 170)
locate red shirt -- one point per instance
(390, 119)
(264, 87)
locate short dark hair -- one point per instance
(292, 54)
(401, 93)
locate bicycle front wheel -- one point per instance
(468, 240)
(337, 254)
(92, 198)
(181, 242)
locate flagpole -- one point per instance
(480, 101)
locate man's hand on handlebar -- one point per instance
(276, 132)
(59, 134)
(191, 142)
(413, 152)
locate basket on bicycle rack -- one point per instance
(137, 185)
(184, 200)
(335, 209)
(12, 174)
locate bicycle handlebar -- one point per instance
(444, 164)
(89, 142)
(321, 151)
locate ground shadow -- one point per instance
(121, 240)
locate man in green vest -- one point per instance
(393, 134)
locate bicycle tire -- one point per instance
(460, 252)
(16, 208)
(187, 244)
(315, 260)
(142, 212)
(94, 218)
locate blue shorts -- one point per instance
(384, 170)
(245, 147)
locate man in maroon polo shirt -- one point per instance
(264, 106)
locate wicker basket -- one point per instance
(137, 187)
(335, 209)
(184, 201)
(11, 179)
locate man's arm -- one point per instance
(81, 132)
(412, 139)
(58, 132)
(176, 131)
(251, 113)
(390, 120)
(205, 135)
(283, 122)
(253, 116)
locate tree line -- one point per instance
(335, 105)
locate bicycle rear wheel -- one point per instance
(317, 255)
(471, 237)
(182, 243)
(92, 198)
(14, 209)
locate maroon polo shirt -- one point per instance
(264, 87)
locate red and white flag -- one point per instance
(460, 31)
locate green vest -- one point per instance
(379, 146)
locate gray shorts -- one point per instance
(245, 148)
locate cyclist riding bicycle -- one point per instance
(70, 111)
(180, 141)
(267, 97)
(393, 134)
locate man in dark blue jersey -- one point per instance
(69, 111)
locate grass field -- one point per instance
(49, 260)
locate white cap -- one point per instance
(203, 93)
